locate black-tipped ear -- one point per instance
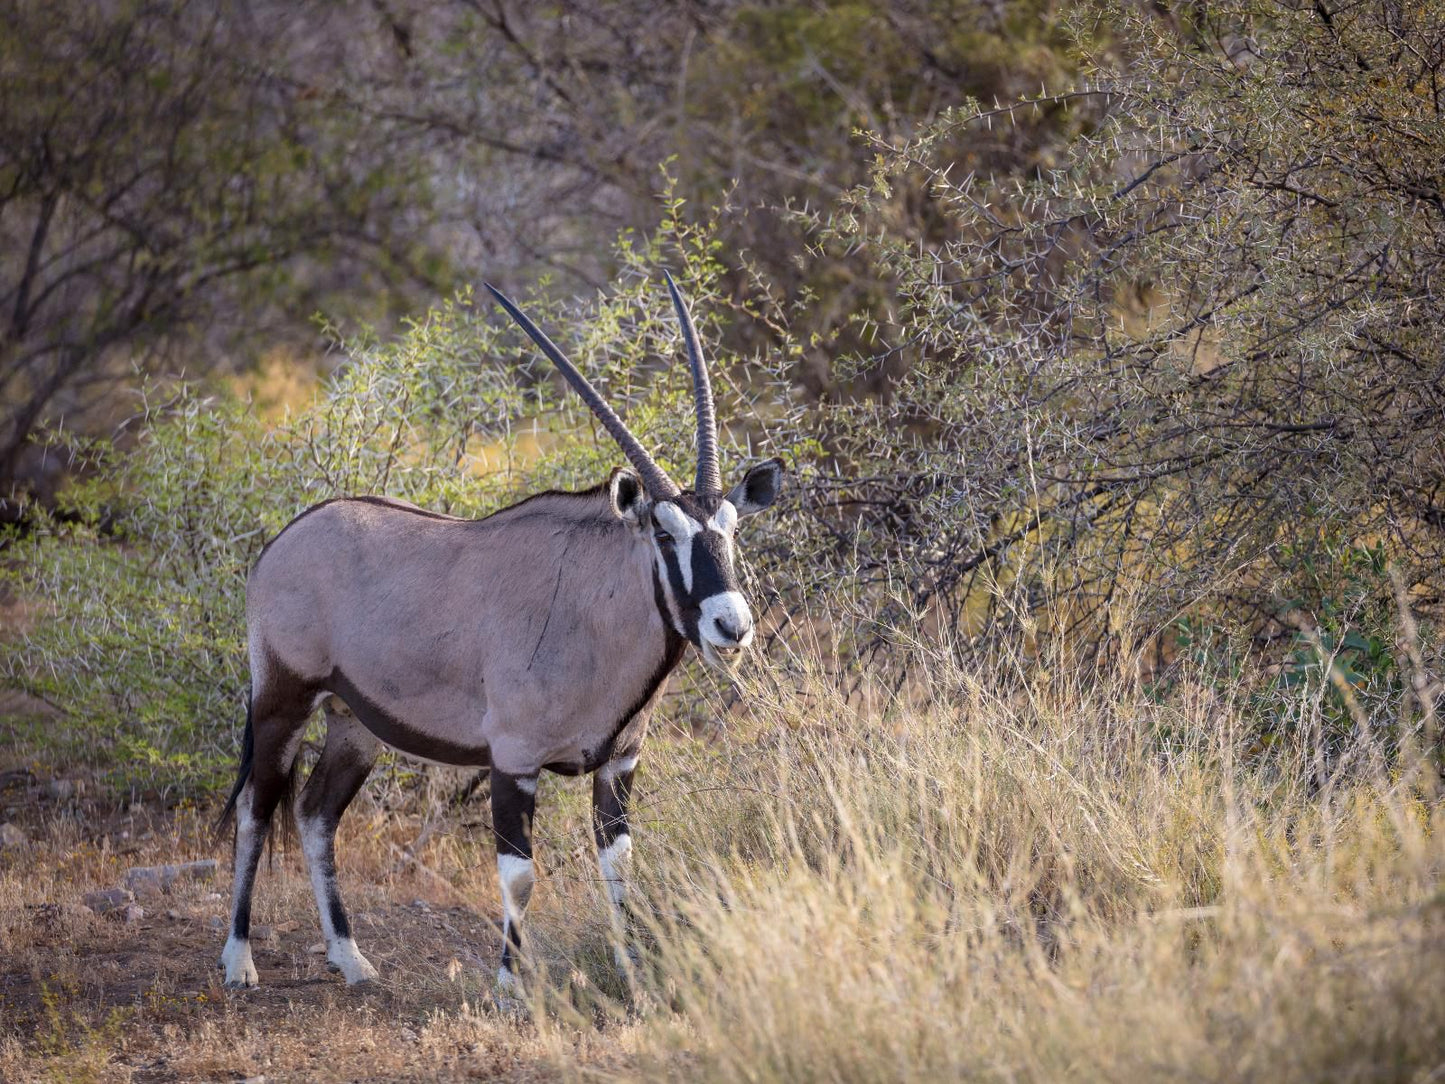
(629, 499)
(759, 488)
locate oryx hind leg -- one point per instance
(275, 721)
(346, 760)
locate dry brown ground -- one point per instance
(90, 997)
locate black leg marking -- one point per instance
(269, 784)
(611, 796)
(514, 800)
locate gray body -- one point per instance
(536, 638)
(514, 641)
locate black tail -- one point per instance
(248, 757)
(285, 808)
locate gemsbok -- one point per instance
(538, 637)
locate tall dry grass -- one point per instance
(1044, 883)
(1033, 879)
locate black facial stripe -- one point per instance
(711, 573)
(672, 655)
(674, 576)
(709, 557)
(686, 610)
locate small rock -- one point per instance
(216, 922)
(263, 933)
(173, 915)
(289, 926)
(421, 905)
(60, 790)
(151, 880)
(212, 897)
(12, 835)
(132, 913)
(254, 1080)
(136, 809)
(318, 949)
(107, 900)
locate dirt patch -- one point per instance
(104, 997)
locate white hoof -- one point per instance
(508, 984)
(627, 959)
(240, 969)
(509, 999)
(345, 957)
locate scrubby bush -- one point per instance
(142, 640)
(1186, 370)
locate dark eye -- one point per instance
(663, 538)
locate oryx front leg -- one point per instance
(345, 763)
(514, 800)
(611, 793)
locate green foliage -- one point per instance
(143, 642)
(1197, 337)
(1333, 665)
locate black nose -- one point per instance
(735, 635)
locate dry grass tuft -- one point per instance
(1038, 886)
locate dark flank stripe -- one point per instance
(397, 734)
(673, 647)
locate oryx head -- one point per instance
(691, 532)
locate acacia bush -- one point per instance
(1188, 371)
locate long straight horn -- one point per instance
(654, 478)
(709, 480)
